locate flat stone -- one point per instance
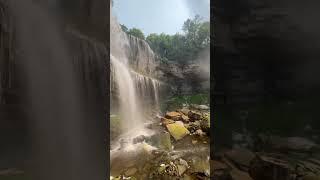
(181, 169)
(177, 130)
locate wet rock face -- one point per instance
(263, 52)
(141, 57)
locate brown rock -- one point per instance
(194, 115)
(166, 121)
(200, 133)
(131, 171)
(217, 165)
(185, 111)
(265, 167)
(185, 118)
(241, 157)
(176, 116)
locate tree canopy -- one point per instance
(184, 47)
(181, 48)
(133, 31)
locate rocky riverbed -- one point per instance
(179, 148)
(267, 157)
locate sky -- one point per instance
(157, 16)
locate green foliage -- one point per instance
(115, 126)
(136, 32)
(182, 48)
(124, 28)
(178, 101)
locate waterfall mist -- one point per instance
(203, 62)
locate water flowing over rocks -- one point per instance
(176, 153)
(133, 79)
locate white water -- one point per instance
(135, 94)
(127, 94)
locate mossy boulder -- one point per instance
(193, 115)
(115, 126)
(205, 123)
(177, 130)
(165, 141)
(193, 126)
(161, 141)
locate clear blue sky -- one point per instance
(157, 16)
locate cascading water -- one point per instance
(127, 93)
(132, 84)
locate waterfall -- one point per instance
(133, 83)
(133, 63)
(127, 93)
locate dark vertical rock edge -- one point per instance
(28, 145)
(212, 77)
(265, 89)
(265, 53)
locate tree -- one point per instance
(124, 28)
(136, 32)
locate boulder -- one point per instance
(204, 107)
(200, 165)
(176, 116)
(131, 171)
(165, 142)
(194, 115)
(264, 167)
(166, 121)
(241, 157)
(200, 133)
(205, 125)
(181, 169)
(172, 169)
(200, 107)
(161, 141)
(185, 111)
(217, 165)
(138, 139)
(177, 130)
(292, 143)
(184, 118)
(311, 177)
(193, 126)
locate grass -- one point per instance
(177, 102)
